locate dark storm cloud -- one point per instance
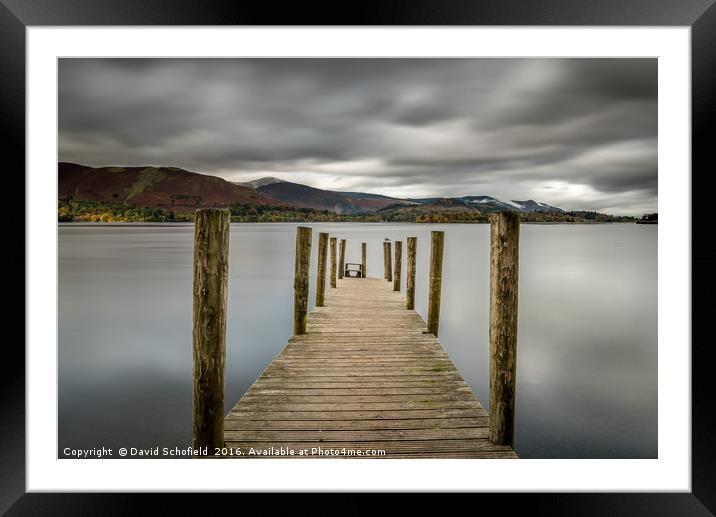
(578, 133)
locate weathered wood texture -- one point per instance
(410, 279)
(504, 258)
(321, 269)
(342, 260)
(300, 282)
(211, 273)
(363, 260)
(389, 246)
(398, 265)
(385, 260)
(334, 266)
(366, 376)
(435, 280)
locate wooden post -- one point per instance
(389, 245)
(398, 265)
(342, 260)
(211, 273)
(363, 259)
(300, 282)
(333, 262)
(436, 280)
(410, 280)
(321, 273)
(385, 260)
(504, 247)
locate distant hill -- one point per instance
(168, 188)
(491, 204)
(255, 184)
(457, 210)
(296, 194)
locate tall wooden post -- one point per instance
(389, 245)
(398, 265)
(504, 248)
(363, 259)
(321, 273)
(300, 282)
(211, 273)
(410, 280)
(385, 260)
(333, 262)
(342, 260)
(436, 280)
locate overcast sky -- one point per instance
(576, 133)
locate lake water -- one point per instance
(587, 337)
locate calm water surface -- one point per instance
(587, 339)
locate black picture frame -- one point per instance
(700, 15)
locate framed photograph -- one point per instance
(430, 238)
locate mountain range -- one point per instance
(171, 188)
(295, 194)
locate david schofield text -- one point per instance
(163, 452)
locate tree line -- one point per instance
(81, 210)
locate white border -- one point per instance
(670, 472)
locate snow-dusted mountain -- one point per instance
(522, 206)
(261, 182)
(491, 204)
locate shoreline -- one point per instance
(191, 223)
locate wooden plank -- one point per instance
(244, 424)
(371, 435)
(359, 406)
(245, 414)
(422, 390)
(368, 380)
(376, 385)
(365, 375)
(432, 360)
(435, 398)
(351, 371)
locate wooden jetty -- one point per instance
(366, 376)
(362, 377)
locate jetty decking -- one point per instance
(366, 376)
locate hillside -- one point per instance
(304, 196)
(167, 188)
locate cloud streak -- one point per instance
(577, 133)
